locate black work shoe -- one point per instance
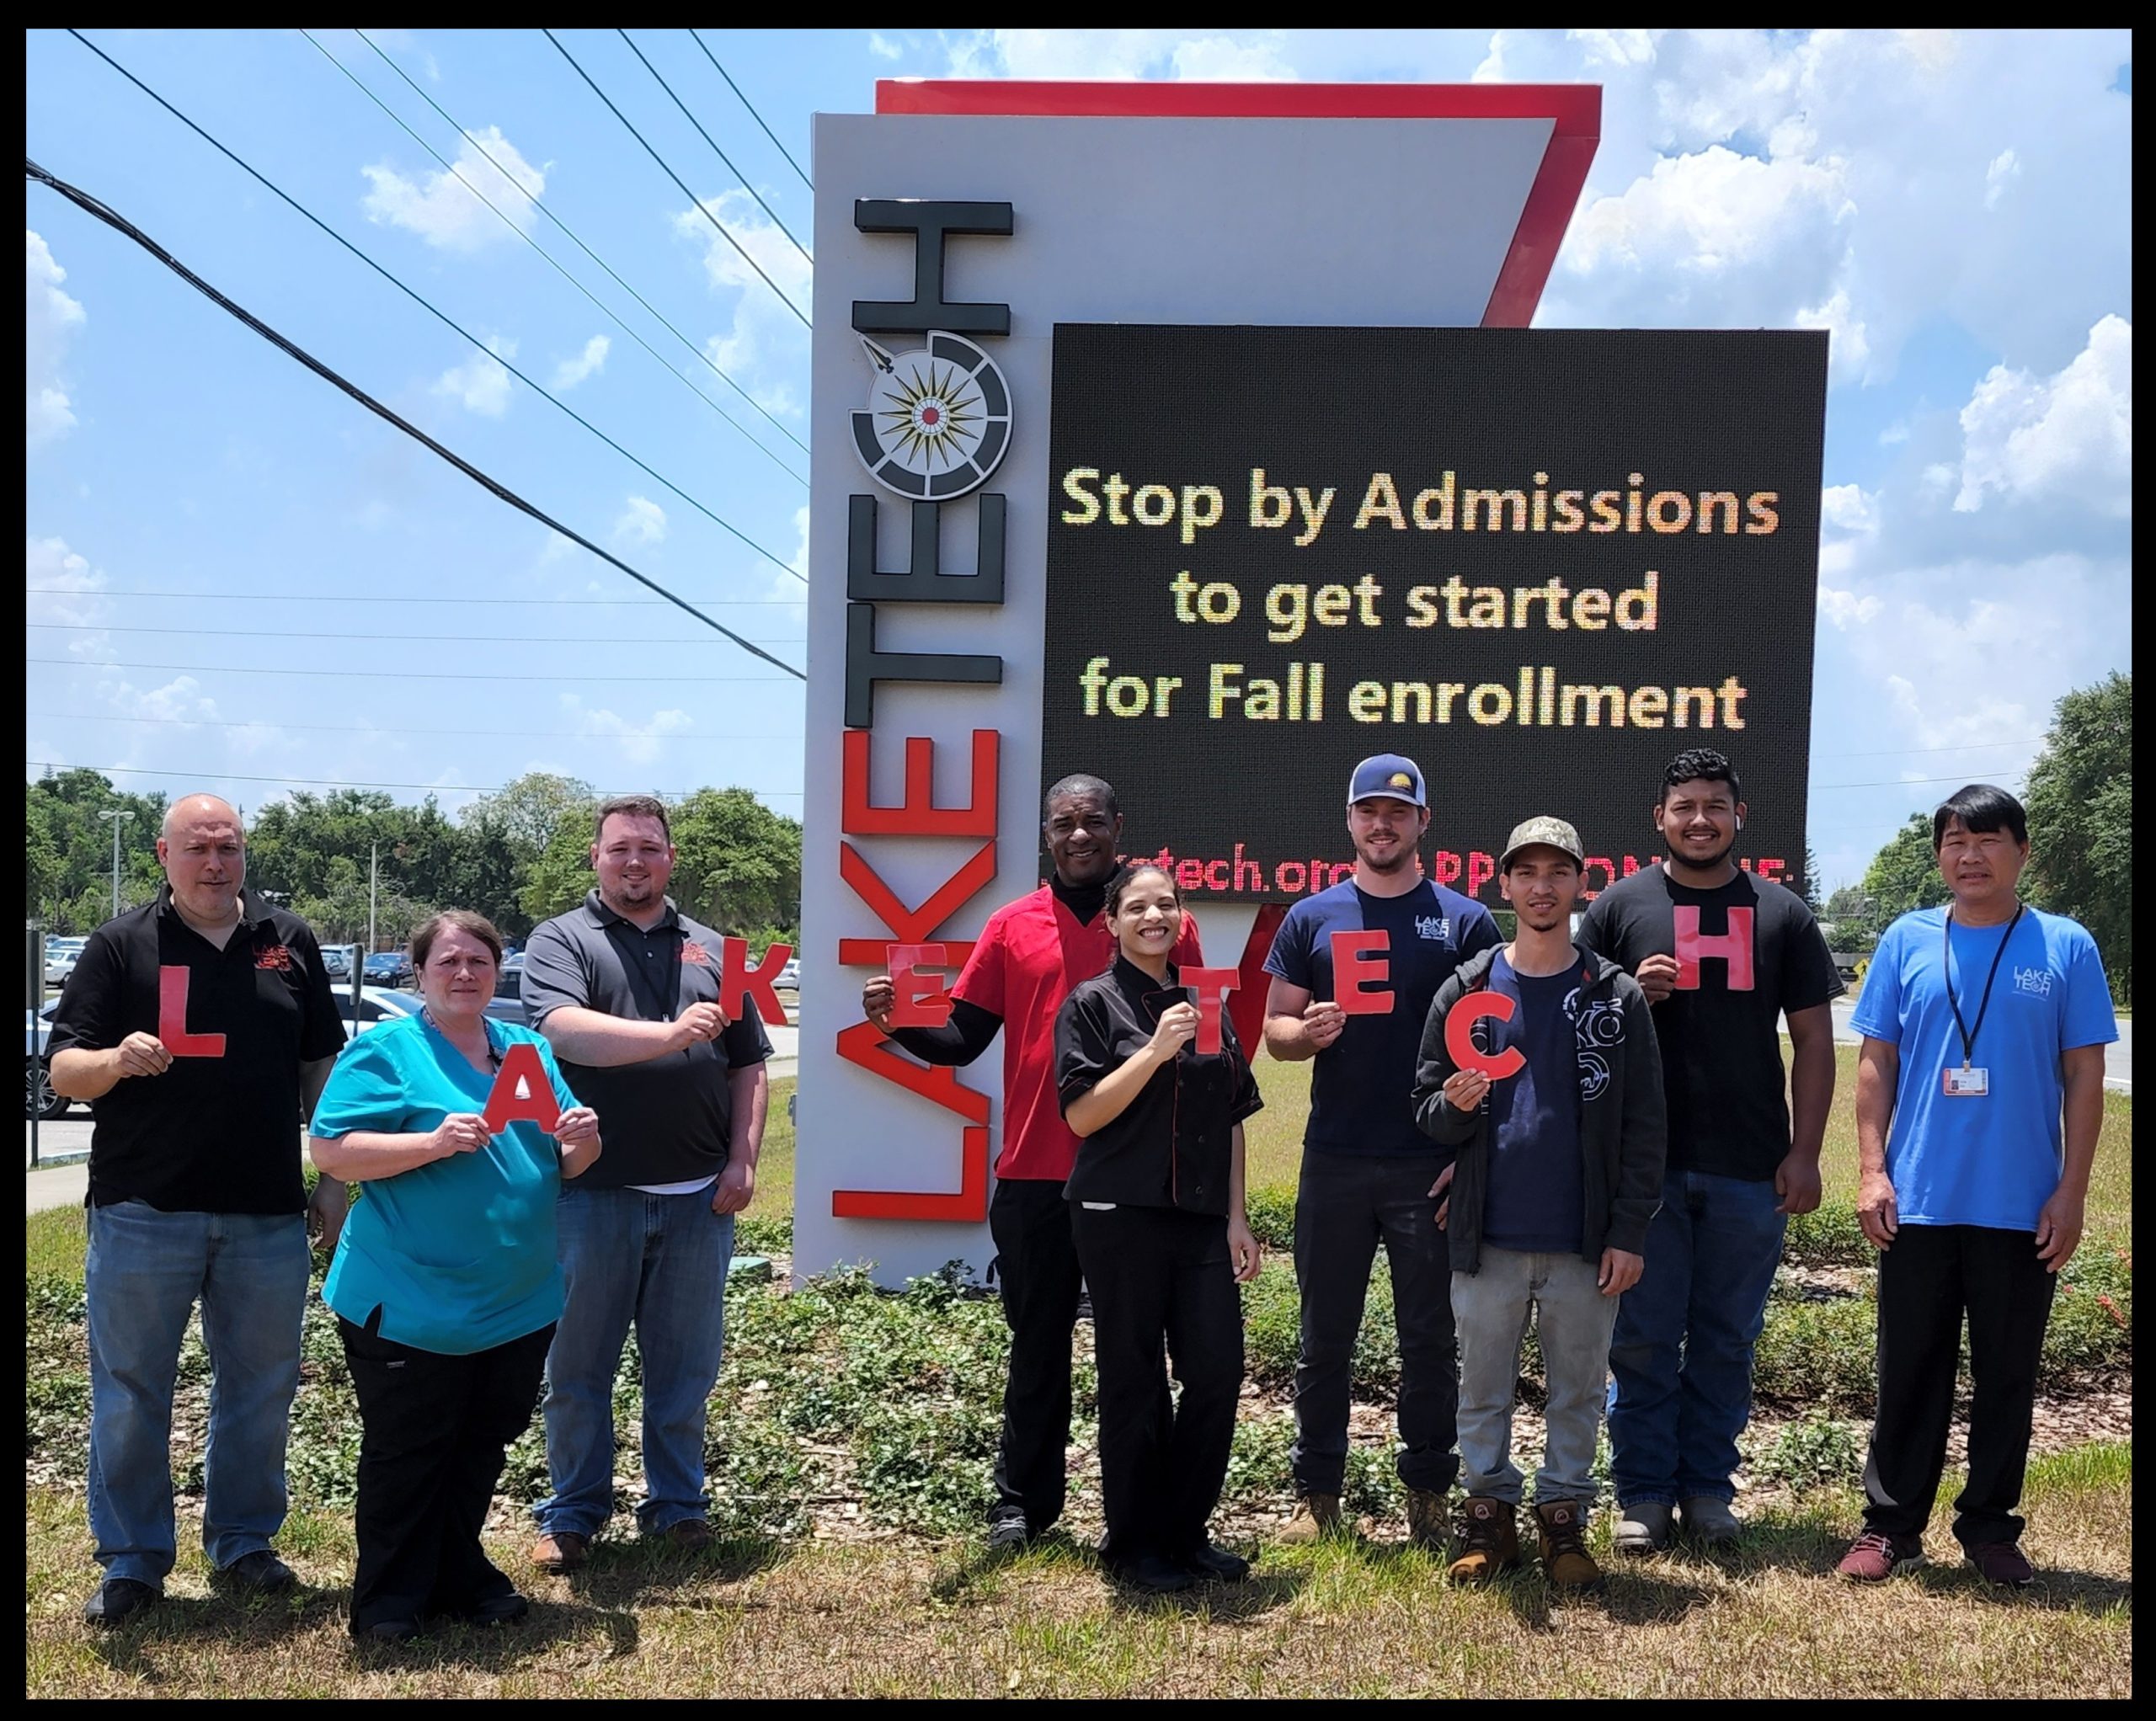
(1211, 1564)
(1007, 1537)
(499, 1610)
(260, 1573)
(1152, 1572)
(117, 1601)
(388, 1631)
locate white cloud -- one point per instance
(482, 383)
(63, 588)
(643, 522)
(2005, 167)
(765, 341)
(49, 319)
(1118, 55)
(884, 48)
(2069, 436)
(590, 362)
(446, 209)
(1846, 508)
(640, 742)
(1846, 610)
(1224, 60)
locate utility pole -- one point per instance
(118, 816)
(374, 871)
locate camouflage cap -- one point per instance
(1544, 832)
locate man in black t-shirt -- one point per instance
(1722, 955)
(200, 1028)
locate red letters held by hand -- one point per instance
(1360, 971)
(1459, 1035)
(737, 980)
(521, 1093)
(1211, 987)
(919, 999)
(1733, 946)
(172, 1019)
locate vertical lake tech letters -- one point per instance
(923, 581)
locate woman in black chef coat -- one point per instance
(1157, 1210)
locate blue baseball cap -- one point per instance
(1393, 775)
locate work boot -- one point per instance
(1562, 1526)
(1315, 1515)
(1429, 1525)
(561, 1550)
(1489, 1541)
(1643, 1529)
(1709, 1521)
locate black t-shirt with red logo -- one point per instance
(217, 1132)
(1748, 951)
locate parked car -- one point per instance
(389, 967)
(789, 976)
(60, 955)
(506, 1007)
(508, 978)
(337, 960)
(377, 1004)
(39, 1100)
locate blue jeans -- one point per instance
(143, 1273)
(659, 1261)
(1680, 1386)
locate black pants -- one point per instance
(1344, 1208)
(434, 1429)
(1928, 1280)
(1155, 1273)
(1037, 1269)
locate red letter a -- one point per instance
(521, 1067)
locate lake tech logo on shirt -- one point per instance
(2035, 982)
(1434, 926)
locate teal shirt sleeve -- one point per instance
(2087, 1018)
(366, 1091)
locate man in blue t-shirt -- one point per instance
(1984, 1023)
(1367, 1169)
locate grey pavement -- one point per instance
(2118, 1058)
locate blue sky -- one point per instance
(1953, 207)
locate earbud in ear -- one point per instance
(1740, 822)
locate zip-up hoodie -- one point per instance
(1622, 1131)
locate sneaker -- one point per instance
(687, 1535)
(1710, 1521)
(1875, 1557)
(2002, 1563)
(561, 1550)
(260, 1573)
(1645, 1528)
(1429, 1524)
(1316, 1514)
(1152, 1572)
(1561, 1528)
(118, 1599)
(1212, 1563)
(1489, 1541)
(1007, 1537)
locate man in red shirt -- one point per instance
(1029, 956)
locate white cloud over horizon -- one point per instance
(50, 318)
(450, 210)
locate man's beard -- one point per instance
(1712, 861)
(1403, 858)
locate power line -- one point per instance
(1900, 782)
(113, 218)
(698, 735)
(702, 356)
(677, 179)
(715, 149)
(417, 298)
(1914, 752)
(753, 113)
(380, 674)
(132, 770)
(569, 639)
(450, 167)
(518, 601)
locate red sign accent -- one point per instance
(969, 1206)
(1733, 947)
(695, 954)
(917, 815)
(1358, 962)
(1212, 986)
(864, 1044)
(273, 956)
(521, 1093)
(1246, 1009)
(172, 1019)
(1459, 1035)
(921, 1002)
(910, 925)
(738, 980)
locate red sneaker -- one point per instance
(1875, 1557)
(2002, 1563)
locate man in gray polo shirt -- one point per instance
(626, 990)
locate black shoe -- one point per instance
(498, 1610)
(1152, 1572)
(387, 1632)
(260, 1573)
(1211, 1564)
(117, 1601)
(1008, 1536)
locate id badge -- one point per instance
(1967, 1084)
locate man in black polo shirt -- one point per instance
(200, 1028)
(626, 990)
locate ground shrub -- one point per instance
(923, 1464)
(1817, 1355)
(1828, 1236)
(1272, 1214)
(1817, 1450)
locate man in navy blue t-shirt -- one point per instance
(1367, 1169)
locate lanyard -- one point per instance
(1969, 1034)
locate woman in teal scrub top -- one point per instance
(445, 1283)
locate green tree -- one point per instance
(560, 877)
(739, 867)
(525, 814)
(70, 875)
(1904, 874)
(1811, 882)
(2080, 800)
(1848, 921)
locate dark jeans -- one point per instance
(1930, 1276)
(1344, 1208)
(1680, 1366)
(434, 1429)
(1036, 1266)
(1155, 1273)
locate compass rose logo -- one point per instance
(938, 419)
